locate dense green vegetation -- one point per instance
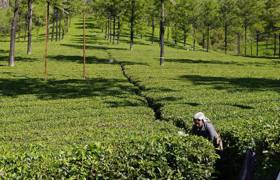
(122, 116)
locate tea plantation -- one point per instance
(123, 121)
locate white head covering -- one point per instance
(201, 116)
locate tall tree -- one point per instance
(208, 16)
(4, 3)
(132, 21)
(227, 13)
(162, 29)
(13, 33)
(47, 40)
(249, 12)
(29, 26)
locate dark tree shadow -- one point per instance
(242, 106)
(18, 58)
(126, 103)
(93, 47)
(235, 84)
(193, 104)
(3, 51)
(190, 61)
(261, 57)
(64, 89)
(93, 60)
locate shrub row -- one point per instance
(263, 138)
(169, 157)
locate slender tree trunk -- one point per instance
(251, 47)
(238, 43)
(29, 17)
(25, 32)
(162, 30)
(56, 25)
(279, 44)
(47, 40)
(114, 29)
(107, 29)
(53, 24)
(4, 4)
(132, 18)
(257, 43)
(63, 33)
(208, 38)
(84, 46)
(13, 34)
(119, 29)
(153, 29)
(226, 28)
(203, 41)
(266, 44)
(194, 39)
(110, 29)
(185, 37)
(60, 28)
(245, 34)
(168, 33)
(275, 45)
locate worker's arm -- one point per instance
(212, 132)
(215, 138)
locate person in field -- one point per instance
(202, 126)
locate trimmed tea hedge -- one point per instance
(164, 157)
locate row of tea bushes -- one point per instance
(173, 157)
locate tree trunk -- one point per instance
(114, 29)
(110, 29)
(60, 28)
(29, 17)
(245, 34)
(194, 39)
(47, 40)
(162, 30)
(185, 37)
(132, 18)
(168, 33)
(266, 44)
(119, 29)
(203, 41)
(279, 44)
(275, 45)
(53, 23)
(4, 4)
(257, 43)
(84, 46)
(251, 47)
(226, 28)
(13, 34)
(238, 43)
(153, 29)
(208, 38)
(107, 29)
(56, 25)
(18, 31)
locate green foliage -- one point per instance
(240, 96)
(161, 158)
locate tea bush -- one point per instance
(172, 157)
